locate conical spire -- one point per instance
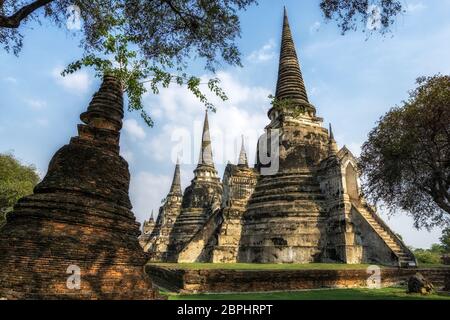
(332, 145)
(151, 217)
(175, 188)
(290, 83)
(243, 155)
(206, 157)
(105, 110)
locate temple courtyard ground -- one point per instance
(393, 293)
(275, 266)
(326, 281)
(261, 266)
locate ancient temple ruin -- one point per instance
(75, 236)
(309, 209)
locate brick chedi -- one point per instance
(238, 184)
(158, 242)
(75, 237)
(147, 229)
(301, 202)
(285, 218)
(200, 199)
(310, 209)
(149, 225)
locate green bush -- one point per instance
(427, 256)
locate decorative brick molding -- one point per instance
(214, 281)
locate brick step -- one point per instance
(291, 175)
(403, 256)
(271, 206)
(288, 196)
(286, 179)
(296, 188)
(269, 215)
(262, 184)
(291, 196)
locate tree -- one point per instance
(141, 41)
(429, 256)
(167, 29)
(445, 240)
(374, 15)
(163, 35)
(16, 180)
(177, 25)
(406, 159)
(115, 57)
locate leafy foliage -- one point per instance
(16, 181)
(173, 28)
(164, 29)
(430, 256)
(445, 240)
(426, 256)
(375, 15)
(287, 105)
(131, 69)
(406, 159)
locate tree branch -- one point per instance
(14, 20)
(189, 22)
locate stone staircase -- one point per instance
(187, 224)
(405, 256)
(199, 247)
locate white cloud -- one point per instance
(415, 7)
(265, 53)
(36, 104)
(314, 27)
(78, 82)
(133, 129)
(182, 115)
(10, 80)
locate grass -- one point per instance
(261, 266)
(394, 293)
(432, 265)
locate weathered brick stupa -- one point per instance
(200, 199)
(76, 237)
(157, 242)
(309, 208)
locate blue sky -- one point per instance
(352, 80)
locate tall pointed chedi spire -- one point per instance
(243, 155)
(332, 146)
(175, 188)
(151, 217)
(206, 157)
(290, 83)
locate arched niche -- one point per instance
(351, 182)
